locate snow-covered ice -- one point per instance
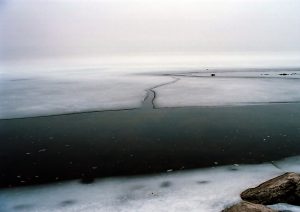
(291, 164)
(214, 91)
(57, 86)
(52, 87)
(207, 190)
(247, 73)
(60, 92)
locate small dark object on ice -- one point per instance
(213, 75)
(87, 180)
(283, 74)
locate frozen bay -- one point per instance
(149, 121)
(31, 93)
(146, 105)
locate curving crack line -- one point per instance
(276, 166)
(149, 100)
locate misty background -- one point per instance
(77, 28)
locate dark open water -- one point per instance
(88, 145)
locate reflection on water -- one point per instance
(88, 145)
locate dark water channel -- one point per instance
(147, 140)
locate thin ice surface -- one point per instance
(291, 164)
(284, 73)
(209, 189)
(234, 89)
(45, 89)
(28, 94)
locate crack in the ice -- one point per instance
(152, 94)
(276, 166)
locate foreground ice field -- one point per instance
(49, 89)
(208, 190)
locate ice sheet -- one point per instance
(247, 73)
(219, 91)
(27, 94)
(208, 190)
(285, 208)
(43, 89)
(291, 164)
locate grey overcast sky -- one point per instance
(62, 28)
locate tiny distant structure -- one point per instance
(213, 75)
(283, 74)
